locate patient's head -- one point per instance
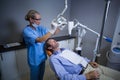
(51, 44)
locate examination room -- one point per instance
(60, 40)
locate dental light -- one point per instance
(61, 21)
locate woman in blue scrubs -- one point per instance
(34, 36)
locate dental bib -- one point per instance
(74, 58)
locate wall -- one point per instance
(90, 13)
(12, 16)
(13, 13)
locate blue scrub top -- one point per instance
(35, 50)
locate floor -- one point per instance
(49, 74)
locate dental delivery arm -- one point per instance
(85, 27)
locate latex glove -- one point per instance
(54, 23)
(61, 22)
(53, 27)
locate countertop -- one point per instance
(21, 45)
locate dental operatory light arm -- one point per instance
(85, 27)
(61, 21)
(66, 6)
(81, 33)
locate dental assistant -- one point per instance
(34, 36)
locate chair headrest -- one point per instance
(49, 53)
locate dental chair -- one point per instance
(109, 73)
(49, 53)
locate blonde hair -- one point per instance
(31, 14)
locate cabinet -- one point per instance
(14, 65)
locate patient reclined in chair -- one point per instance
(67, 66)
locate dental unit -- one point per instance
(61, 21)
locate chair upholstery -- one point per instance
(48, 52)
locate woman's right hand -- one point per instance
(53, 28)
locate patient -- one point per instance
(64, 68)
